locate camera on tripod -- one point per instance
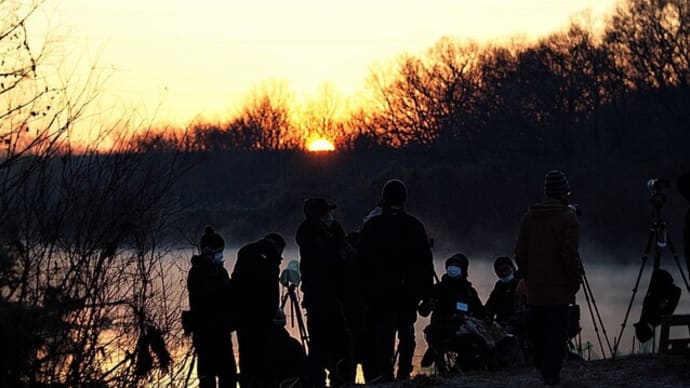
(662, 296)
(290, 278)
(657, 187)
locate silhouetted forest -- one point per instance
(471, 129)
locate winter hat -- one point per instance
(684, 185)
(211, 241)
(459, 260)
(394, 192)
(503, 260)
(555, 184)
(317, 207)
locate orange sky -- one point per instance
(175, 60)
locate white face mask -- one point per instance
(506, 278)
(454, 271)
(218, 257)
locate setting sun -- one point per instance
(320, 145)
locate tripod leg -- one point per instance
(634, 292)
(596, 309)
(589, 298)
(300, 321)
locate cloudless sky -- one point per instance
(183, 59)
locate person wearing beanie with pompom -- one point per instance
(208, 284)
(548, 256)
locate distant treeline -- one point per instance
(471, 129)
(575, 93)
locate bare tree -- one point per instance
(323, 116)
(652, 39)
(88, 289)
(264, 122)
(651, 43)
(431, 98)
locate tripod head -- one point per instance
(657, 199)
(656, 189)
(290, 278)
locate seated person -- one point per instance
(453, 301)
(501, 303)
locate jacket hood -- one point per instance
(548, 206)
(200, 260)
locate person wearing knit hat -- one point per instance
(451, 300)
(208, 284)
(457, 265)
(501, 302)
(548, 256)
(212, 243)
(556, 184)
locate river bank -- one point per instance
(632, 371)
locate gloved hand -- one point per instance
(426, 307)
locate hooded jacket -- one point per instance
(547, 252)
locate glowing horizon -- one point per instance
(173, 62)
(320, 145)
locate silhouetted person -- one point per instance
(684, 189)
(548, 258)
(255, 279)
(209, 292)
(268, 355)
(450, 302)
(396, 271)
(324, 263)
(501, 303)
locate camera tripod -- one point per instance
(594, 310)
(295, 309)
(658, 236)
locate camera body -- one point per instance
(656, 185)
(656, 188)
